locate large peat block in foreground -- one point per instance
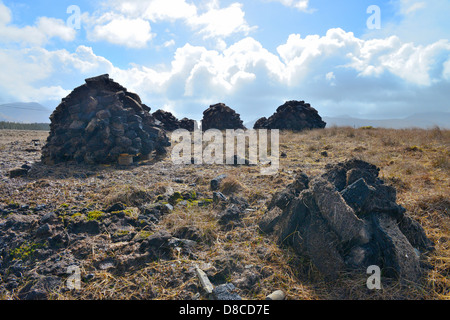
(347, 219)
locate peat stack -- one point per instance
(347, 219)
(170, 123)
(293, 115)
(188, 124)
(222, 117)
(99, 121)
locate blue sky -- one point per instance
(182, 55)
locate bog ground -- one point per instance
(147, 248)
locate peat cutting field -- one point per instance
(143, 231)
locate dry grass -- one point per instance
(415, 161)
(230, 185)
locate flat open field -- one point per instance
(74, 199)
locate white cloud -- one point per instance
(39, 34)
(446, 70)
(21, 76)
(221, 22)
(409, 6)
(169, 43)
(52, 27)
(127, 22)
(132, 33)
(302, 5)
(155, 10)
(330, 71)
(330, 77)
(5, 15)
(418, 21)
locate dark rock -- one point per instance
(154, 212)
(40, 289)
(215, 183)
(44, 231)
(39, 207)
(26, 166)
(20, 222)
(293, 115)
(82, 226)
(221, 117)
(232, 213)
(157, 245)
(184, 245)
(188, 232)
(226, 292)
(219, 196)
(116, 207)
(17, 172)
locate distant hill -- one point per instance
(4, 125)
(419, 120)
(25, 112)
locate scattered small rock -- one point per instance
(116, 207)
(226, 292)
(206, 285)
(276, 295)
(17, 172)
(215, 183)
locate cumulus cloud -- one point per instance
(418, 21)
(221, 22)
(155, 10)
(132, 33)
(44, 29)
(302, 5)
(336, 72)
(409, 6)
(128, 22)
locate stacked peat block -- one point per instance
(221, 117)
(188, 124)
(170, 123)
(348, 219)
(292, 115)
(100, 121)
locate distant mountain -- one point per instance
(419, 120)
(250, 124)
(25, 112)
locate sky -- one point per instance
(368, 59)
